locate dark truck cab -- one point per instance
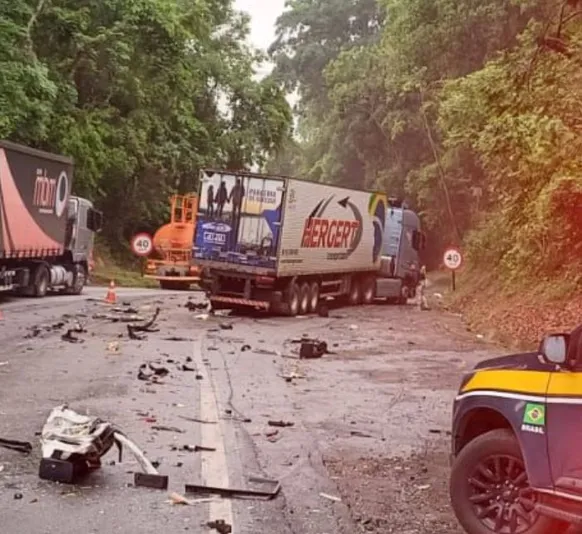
(516, 446)
(46, 234)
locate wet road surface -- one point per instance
(367, 451)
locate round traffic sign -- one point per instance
(453, 259)
(142, 244)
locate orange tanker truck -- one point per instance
(171, 260)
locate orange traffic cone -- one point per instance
(111, 297)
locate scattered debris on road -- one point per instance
(134, 330)
(126, 309)
(152, 481)
(312, 348)
(20, 446)
(119, 318)
(241, 493)
(195, 420)
(149, 372)
(272, 435)
(359, 434)
(73, 444)
(330, 497)
(162, 428)
(177, 499)
(69, 336)
(280, 424)
(221, 526)
(195, 448)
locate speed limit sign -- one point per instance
(142, 244)
(452, 259)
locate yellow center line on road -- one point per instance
(214, 464)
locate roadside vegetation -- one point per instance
(121, 268)
(141, 93)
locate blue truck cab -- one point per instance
(400, 265)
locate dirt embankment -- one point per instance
(515, 317)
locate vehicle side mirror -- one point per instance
(554, 348)
(94, 220)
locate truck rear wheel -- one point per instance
(292, 300)
(313, 297)
(368, 290)
(490, 491)
(40, 281)
(355, 295)
(304, 299)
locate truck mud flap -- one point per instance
(261, 304)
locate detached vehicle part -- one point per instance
(517, 425)
(73, 444)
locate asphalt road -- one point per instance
(366, 452)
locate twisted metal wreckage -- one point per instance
(72, 445)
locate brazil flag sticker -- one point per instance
(535, 414)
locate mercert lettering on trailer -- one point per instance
(325, 228)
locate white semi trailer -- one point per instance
(281, 244)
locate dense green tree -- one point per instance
(433, 111)
(311, 33)
(141, 93)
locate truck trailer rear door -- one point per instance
(239, 219)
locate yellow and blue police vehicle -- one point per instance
(517, 442)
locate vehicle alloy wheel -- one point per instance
(490, 490)
(502, 497)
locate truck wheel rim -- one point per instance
(500, 495)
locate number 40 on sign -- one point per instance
(453, 259)
(142, 244)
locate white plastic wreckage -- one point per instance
(73, 444)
